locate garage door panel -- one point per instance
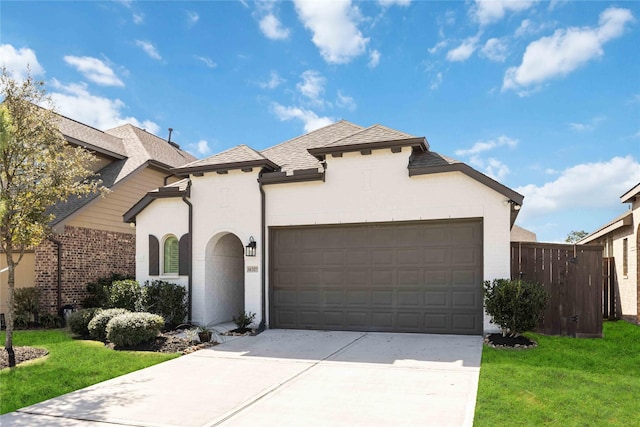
(411, 277)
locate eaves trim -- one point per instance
(161, 193)
(407, 142)
(185, 171)
(624, 220)
(302, 175)
(472, 173)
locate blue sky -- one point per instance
(543, 96)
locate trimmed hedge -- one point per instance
(133, 328)
(98, 325)
(79, 321)
(125, 294)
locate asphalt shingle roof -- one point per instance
(81, 133)
(430, 158)
(370, 135)
(238, 154)
(293, 155)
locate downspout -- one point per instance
(263, 323)
(186, 193)
(58, 244)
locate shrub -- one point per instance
(79, 320)
(98, 325)
(27, 302)
(133, 328)
(99, 291)
(244, 319)
(51, 321)
(126, 294)
(21, 321)
(515, 305)
(169, 300)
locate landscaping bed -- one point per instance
(23, 354)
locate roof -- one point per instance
(293, 155)
(141, 149)
(376, 136)
(630, 195)
(176, 189)
(519, 234)
(91, 138)
(237, 157)
(621, 221)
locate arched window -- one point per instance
(171, 260)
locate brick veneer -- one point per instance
(87, 255)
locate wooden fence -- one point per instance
(573, 276)
(611, 306)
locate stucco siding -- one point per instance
(24, 277)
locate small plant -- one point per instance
(98, 325)
(244, 319)
(204, 334)
(169, 300)
(79, 320)
(126, 294)
(191, 334)
(515, 305)
(27, 303)
(51, 321)
(133, 328)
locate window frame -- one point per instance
(174, 258)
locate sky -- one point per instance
(543, 96)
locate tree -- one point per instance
(575, 236)
(37, 169)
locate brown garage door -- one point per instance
(403, 277)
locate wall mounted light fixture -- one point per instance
(250, 249)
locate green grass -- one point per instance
(70, 365)
(564, 381)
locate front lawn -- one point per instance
(70, 365)
(563, 382)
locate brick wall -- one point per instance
(87, 255)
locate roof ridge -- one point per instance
(83, 124)
(252, 149)
(311, 133)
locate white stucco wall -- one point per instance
(377, 188)
(358, 188)
(161, 218)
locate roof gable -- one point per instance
(376, 136)
(631, 194)
(238, 157)
(91, 138)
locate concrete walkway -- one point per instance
(286, 378)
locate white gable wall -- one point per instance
(377, 188)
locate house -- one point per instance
(519, 234)
(90, 240)
(621, 241)
(343, 228)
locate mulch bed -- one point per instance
(167, 343)
(499, 341)
(23, 354)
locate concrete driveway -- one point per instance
(286, 378)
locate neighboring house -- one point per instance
(90, 240)
(344, 228)
(519, 234)
(620, 240)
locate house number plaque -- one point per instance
(252, 268)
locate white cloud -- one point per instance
(334, 25)
(464, 51)
(490, 11)
(440, 45)
(589, 185)
(94, 70)
(309, 118)
(192, 18)
(272, 28)
(203, 147)
(75, 101)
(138, 18)
(374, 58)
(312, 86)
(436, 82)
(482, 146)
(565, 51)
(206, 61)
(495, 50)
(345, 101)
(16, 61)
(274, 81)
(528, 27)
(589, 126)
(149, 49)
(387, 3)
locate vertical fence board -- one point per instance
(573, 276)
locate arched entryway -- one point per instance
(224, 279)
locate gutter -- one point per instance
(58, 244)
(186, 193)
(263, 307)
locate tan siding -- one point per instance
(25, 277)
(100, 163)
(106, 213)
